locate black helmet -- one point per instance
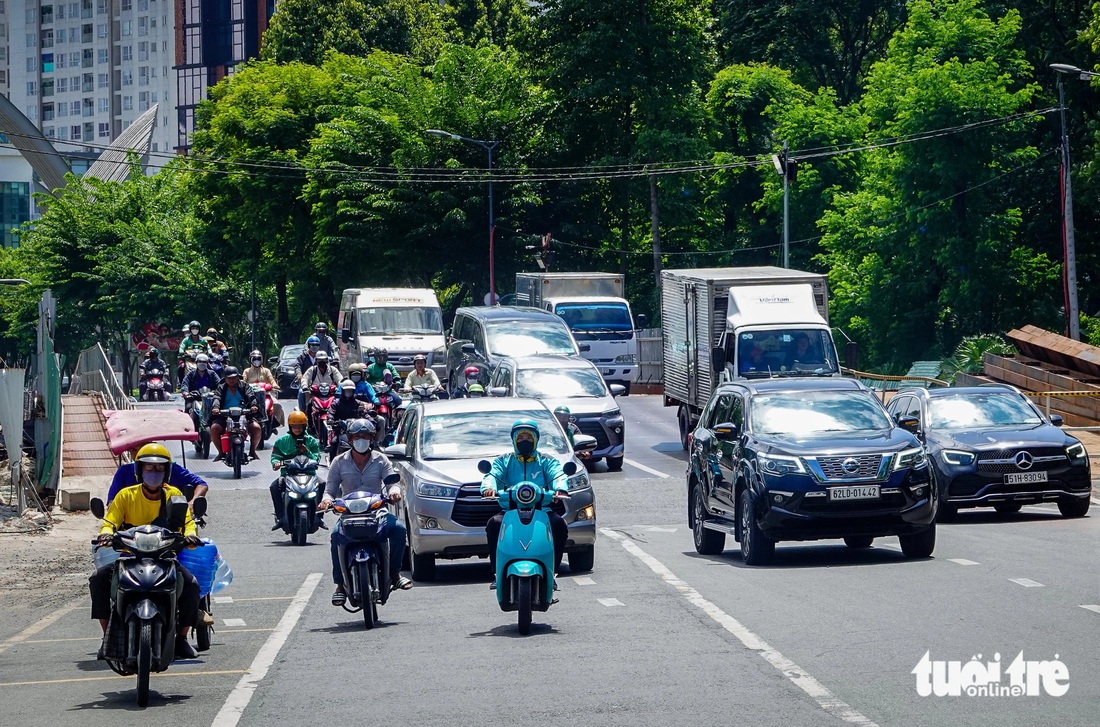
(231, 371)
(383, 353)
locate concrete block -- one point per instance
(73, 499)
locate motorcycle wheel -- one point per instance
(238, 455)
(323, 434)
(524, 606)
(144, 662)
(364, 593)
(301, 529)
(202, 631)
(161, 396)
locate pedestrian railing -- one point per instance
(94, 373)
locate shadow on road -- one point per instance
(813, 556)
(127, 701)
(347, 627)
(979, 516)
(511, 630)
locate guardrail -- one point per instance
(1048, 395)
(928, 381)
(94, 373)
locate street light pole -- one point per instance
(487, 146)
(786, 169)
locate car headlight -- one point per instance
(910, 459)
(1076, 452)
(586, 513)
(613, 414)
(957, 457)
(778, 464)
(439, 354)
(433, 489)
(625, 358)
(578, 481)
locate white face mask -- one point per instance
(202, 367)
(360, 445)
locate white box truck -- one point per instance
(593, 307)
(720, 324)
(404, 321)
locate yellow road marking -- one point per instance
(117, 676)
(261, 598)
(41, 624)
(97, 638)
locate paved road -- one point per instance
(655, 634)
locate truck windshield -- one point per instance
(400, 322)
(786, 352)
(530, 338)
(809, 413)
(597, 320)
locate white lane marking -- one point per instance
(660, 530)
(1095, 501)
(41, 624)
(234, 622)
(963, 561)
(891, 546)
(1026, 582)
(584, 581)
(230, 713)
(223, 599)
(643, 468)
(1092, 608)
(610, 602)
(796, 674)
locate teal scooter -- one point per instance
(525, 550)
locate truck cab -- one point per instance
(404, 321)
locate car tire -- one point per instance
(423, 567)
(683, 418)
(1007, 508)
(858, 542)
(919, 545)
(947, 513)
(756, 547)
(614, 464)
(582, 559)
(1077, 507)
(707, 542)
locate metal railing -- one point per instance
(94, 373)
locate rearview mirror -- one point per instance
(198, 509)
(569, 468)
(397, 451)
(391, 479)
(584, 348)
(177, 512)
(1057, 420)
(273, 360)
(718, 359)
(643, 322)
(345, 335)
(908, 423)
(583, 443)
(484, 467)
(726, 431)
(469, 348)
(97, 508)
(498, 391)
(617, 389)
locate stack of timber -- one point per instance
(1048, 362)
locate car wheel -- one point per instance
(947, 513)
(756, 547)
(1077, 507)
(858, 542)
(423, 567)
(919, 545)
(581, 559)
(614, 464)
(684, 420)
(707, 542)
(1007, 508)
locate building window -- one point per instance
(30, 16)
(127, 103)
(74, 60)
(47, 62)
(143, 76)
(143, 50)
(103, 105)
(32, 40)
(62, 86)
(125, 5)
(88, 83)
(89, 107)
(153, 97)
(47, 87)
(85, 11)
(101, 30)
(60, 11)
(143, 26)
(47, 39)
(62, 110)
(74, 108)
(32, 88)
(103, 80)
(74, 10)
(62, 60)
(47, 112)
(47, 14)
(127, 78)
(87, 57)
(102, 55)
(104, 129)
(49, 132)
(127, 52)
(30, 64)
(102, 7)
(32, 113)
(15, 209)
(127, 28)
(73, 35)
(74, 132)
(86, 33)
(63, 133)
(143, 5)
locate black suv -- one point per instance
(806, 459)
(480, 336)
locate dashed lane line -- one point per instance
(41, 624)
(238, 699)
(610, 602)
(1092, 608)
(963, 561)
(1026, 582)
(111, 677)
(230, 599)
(583, 581)
(233, 622)
(825, 699)
(643, 468)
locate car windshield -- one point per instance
(530, 338)
(810, 413)
(559, 383)
(976, 411)
(485, 434)
(786, 352)
(412, 321)
(290, 354)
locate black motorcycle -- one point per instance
(198, 405)
(141, 633)
(302, 491)
(154, 384)
(234, 438)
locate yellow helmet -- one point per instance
(297, 418)
(153, 453)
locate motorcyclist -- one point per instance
(193, 339)
(363, 388)
(153, 363)
(565, 418)
(257, 373)
(376, 374)
(321, 372)
(327, 344)
(471, 375)
(475, 391)
(421, 375)
(525, 464)
(145, 504)
(346, 408)
(296, 441)
(183, 479)
(306, 360)
(201, 377)
(363, 469)
(230, 393)
(217, 345)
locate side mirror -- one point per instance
(583, 443)
(908, 423)
(391, 479)
(617, 389)
(469, 348)
(643, 322)
(97, 508)
(273, 360)
(584, 348)
(199, 508)
(718, 359)
(397, 451)
(498, 391)
(569, 468)
(345, 335)
(1057, 420)
(177, 512)
(726, 431)
(484, 467)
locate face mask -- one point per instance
(202, 367)
(360, 445)
(347, 393)
(152, 479)
(322, 366)
(257, 361)
(525, 447)
(194, 333)
(356, 378)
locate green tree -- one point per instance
(501, 22)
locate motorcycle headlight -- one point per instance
(910, 458)
(292, 494)
(434, 489)
(778, 464)
(578, 481)
(147, 542)
(957, 457)
(1076, 452)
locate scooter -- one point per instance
(233, 439)
(198, 404)
(155, 386)
(320, 406)
(141, 633)
(266, 404)
(302, 491)
(386, 409)
(364, 554)
(525, 550)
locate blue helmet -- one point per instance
(313, 341)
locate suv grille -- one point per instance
(866, 467)
(593, 428)
(471, 511)
(1001, 461)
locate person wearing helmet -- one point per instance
(296, 441)
(306, 360)
(475, 391)
(471, 375)
(421, 375)
(346, 408)
(183, 479)
(322, 372)
(381, 365)
(193, 339)
(525, 464)
(230, 393)
(257, 373)
(565, 419)
(146, 503)
(363, 469)
(328, 345)
(153, 365)
(197, 379)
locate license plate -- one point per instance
(1025, 478)
(863, 492)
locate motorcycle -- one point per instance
(266, 403)
(424, 393)
(320, 406)
(198, 405)
(187, 361)
(302, 491)
(364, 554)
(525, 550)
(386, 408)
(233, 439)
(141, 632)
(154, 381)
